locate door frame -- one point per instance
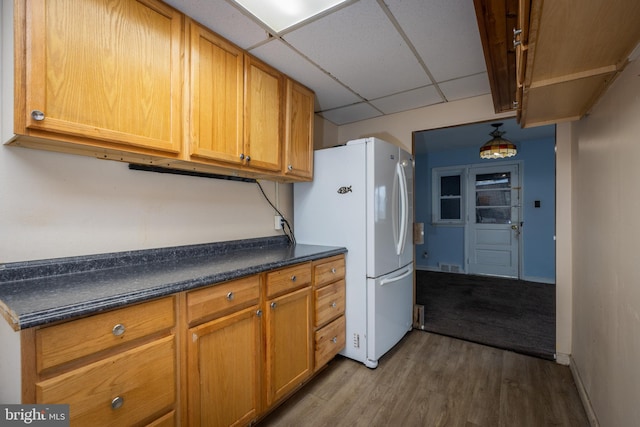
(470, 189)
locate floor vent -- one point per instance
(449, 268)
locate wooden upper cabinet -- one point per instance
(264, 94)
(101, 71)
(298, 149)
(574, 51)
(216, 68)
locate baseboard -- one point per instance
(426, 268)
(582, 392)
(547, 280)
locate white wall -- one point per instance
(606, 292)
(565, 160)
(56, 205)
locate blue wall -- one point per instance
(445, 244)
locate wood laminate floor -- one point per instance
(433, 380)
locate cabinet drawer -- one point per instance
(329, 341)
(168, 420)
(121, 390)
(217, 300)
(329, 271)
(69, 341)
(288, 279)
(330, 302)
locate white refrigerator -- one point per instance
(361, 198)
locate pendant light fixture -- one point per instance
(498, 147)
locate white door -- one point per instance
(494, 221)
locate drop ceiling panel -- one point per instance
(409, 100)
(351, 113)
(329, 92)
(224, 19)
(466, 87)
(445, 34)
(360, 46)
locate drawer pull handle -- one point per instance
(117, 402)
(334, 340)
(334, 305)
(293, 278)
(274, 305)
(333, 270)
(118, 330)
(230, 296)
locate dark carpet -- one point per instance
(509, 314)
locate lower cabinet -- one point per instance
(289, 355)
(222, 355)
(224, 370)
(120, 390)
(114, 369)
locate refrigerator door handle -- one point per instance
(408, 272)
(404, 209)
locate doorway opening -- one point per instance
(495, 224)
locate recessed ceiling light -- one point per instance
(282, 14)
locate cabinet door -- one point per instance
(216, 97)
(110, 71)
(298, 151)
(289, 343)
(264, 92)
(224, 370)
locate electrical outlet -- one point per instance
(277, 222)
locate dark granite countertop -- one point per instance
(35, 293)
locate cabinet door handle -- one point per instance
(230, 296)
(37, 115)
(290, 167)
(333, 304)
(248, 158)
(293, 278)
(333, 270)
(273, 305)
(334, 340)
(118, 330)
(242, 156)
(259, 313)
(117, 402)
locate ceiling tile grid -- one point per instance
(366, 58)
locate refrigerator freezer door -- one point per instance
(390, 316)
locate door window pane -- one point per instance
(493, 198)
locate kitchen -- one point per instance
(58, 205)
